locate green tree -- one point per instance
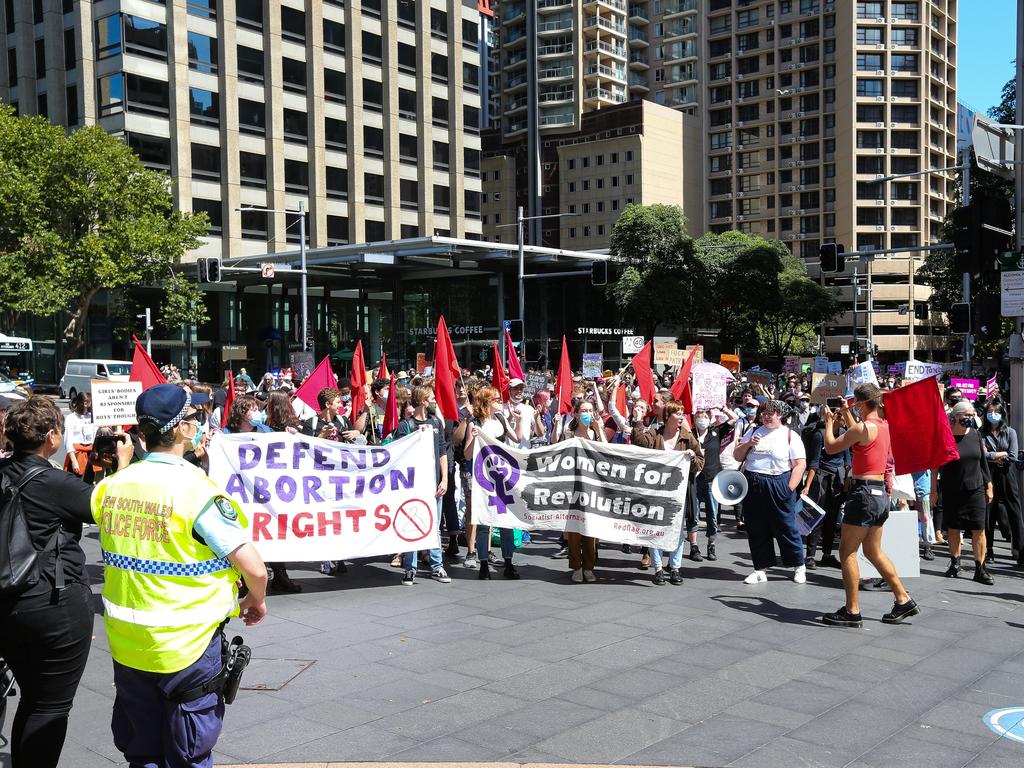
(797, 309)
(79, 213)
(656, 285)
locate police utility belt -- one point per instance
(236, 657)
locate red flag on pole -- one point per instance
(919, 432)
(641, 363)
(144, 370)
(446, 368)
(620, 401)
(382, 371)
(563, 390)
(515, 370)
(498, 379)
(391, 412)
(228, 401)
(322, 376)
(357, 381)
(681, 386)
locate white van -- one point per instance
(78, 375)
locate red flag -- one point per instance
(446, 368)
(681, 386)
(641, 363)
(228, 401)
(322, 376)
(382, 371)
(918, 427)
(515, 370)
(144, 370)
(620, 401)
(391, 412)
(357, 381)
(498, 379)
(563, 390)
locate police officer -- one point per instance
(174, 548)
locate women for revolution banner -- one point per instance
(616, 493)
(312, 499)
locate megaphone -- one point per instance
(729, 487)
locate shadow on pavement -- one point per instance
(769, 609)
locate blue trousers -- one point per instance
(152, 731)
(483, 542)
(769, 511)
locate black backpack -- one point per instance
(19, 559)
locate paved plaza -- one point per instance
(713, 673)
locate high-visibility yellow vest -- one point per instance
(164, 592)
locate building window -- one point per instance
(472, 202)
(373, 95)
(439, 67)
(108, 36)
(408, 148)
(337, 183)
(869, 87)
(471, 77)
(71, 101)
(12, 67)
(110, 94)
(206, 162)
(153, 151)
(42, 105)
(146, 95)
(470, 119)
(407, 58)
(337, 230)
(375, 231)
(254, 225)
(250, 64)
(409, 192)
(442, 199)
(373, 141)
(870, 36)
(334, 36)
(471, 161)
(372, 50)
(296, 176)
(407, 15)
(214, 211)
(470, 33)
(371, 8)
(252, 169)
(335, 133)
(252, 117)
(373, 187)
(334, 85)
(293, 72)
(204, 106)
(202, 53)
(206, 9)
(441, 155)
(293, 24)
(250, 13)
(296, 126)
(70, 50)
(438, 23)
(407, 103)
(440, 111)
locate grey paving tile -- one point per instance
(543, 719)
(907, 750)
(955, 664)
(725, 735)
(785, 751)
(367, 742)
(257, 741)
(700, 698)
(451, 715)
(809, 698)
(913, 692)
(543, 682)
(449, 749)
(611, 737)
(874, 724)
(630, 653)
(1002, 683)
(769, 669)
(765, 713)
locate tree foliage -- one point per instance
(79, 213)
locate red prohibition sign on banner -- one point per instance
(414, 520)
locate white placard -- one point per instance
(915, 370)
(1012, 295)
(899, 542)
(113, 402)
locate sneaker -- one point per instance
(927, 554)
(577, 576)
(954, 569)
(711, 554)
(589, 576)
(562, 553)
(626, 549)
(660, 578)
(492, 558)
(409, 578)
(695, 554)
(810, 564)
(982, 576)
(645, 561)
(901, 612)
(675, 577)
(471, 560)
(843, 618)
(510, 571)
(339, 568)
(442, 576)
(800, 574)
(326, 567)
(757, 577)
(829, 561)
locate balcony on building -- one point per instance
(605, 47)
(556, 119)
(674, 8)
(601, 95)
(604, 72)
(638, 83)
(554, 49)
(638, 14)
(556, 96)
(555, 26)
(552, 73)
(595, 24)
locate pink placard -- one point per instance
(968, 387)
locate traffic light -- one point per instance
(920, 310)
(855, 347)
(980, 233)
(960, 318)
(599, 273)
(831, 257)
(209, 269)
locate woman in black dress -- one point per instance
(966, 487)
(1001, 451)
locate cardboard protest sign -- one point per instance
(835, 367)
(862, 373)
(697, 358)
(827, 386)
(915, 370)
(709, 386)
(592, 365)
(534, 382)
(820, 365)
(310, 499)
(967, 387)
(667, 353)
(113, 402)
(759, 377)
(791, 364)
(616, 493)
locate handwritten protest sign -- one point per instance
(591, 365)
(534, 383)
(709, 386)
(616, 493)
(968, 387)
(698, 358)
(791, 364)
(862, 373)
(916, 370)
(991, 387)
(820, 365)
(759, 377)
(667, 353)
(827, 386)
(113, 402)
(835, 367)
(312, 499)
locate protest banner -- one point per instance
(312, 499)
(592, 365)
(732, 362)
(991, 386)
(709, 386)
(534, 382)
(820, 365)
(915, 370)
(759, 377)
(302, 364)
(968, 387)
(806, 364)
(791, 364)
(835, 367)
(697, 358)
(113, 402)
(616, 493)
(827, 386)
(897, 369)
(862, 373)
(667, 353)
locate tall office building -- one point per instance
(367, 110)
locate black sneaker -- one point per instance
(829, 561)
(901, 612)
(695, 554)
(954, 569)
(809, 563)
(842, 618)
(659, 578)
(927, 554)
(626, 549)
(409, 578)
(485, 571)
(711, 555)
(510, 571)
(982, 576)
(675, 577)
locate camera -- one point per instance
(107, 444)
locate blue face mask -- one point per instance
(751, 412)
(586, 419)
(993, 417)
(258, 417)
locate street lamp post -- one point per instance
(520, 219)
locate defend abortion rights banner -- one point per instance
(312, 499)
(617, 493)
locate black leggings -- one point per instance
(46, 646)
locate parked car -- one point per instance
(79, 374)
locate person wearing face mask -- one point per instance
(710, 440)
(966, 487)
(1001, 452)
(520, 412)
(583, 549)
(867, 506)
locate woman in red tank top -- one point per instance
(867, 505)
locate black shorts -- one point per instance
(964, 511)
(867, 505)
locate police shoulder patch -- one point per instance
(226, 508)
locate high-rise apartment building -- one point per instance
(367, 110)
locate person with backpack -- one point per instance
(423, 419)
(46, 618)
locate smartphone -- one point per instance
(835, 402)
(106, 443)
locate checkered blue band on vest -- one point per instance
(162, 568)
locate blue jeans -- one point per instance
(675, 558)
(483, 543)
(436, 560)
(710, 510)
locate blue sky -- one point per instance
(986, 50)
